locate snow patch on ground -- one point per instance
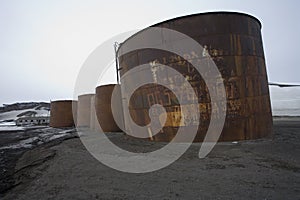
(56, 137)
(11, 128)
(5, 123)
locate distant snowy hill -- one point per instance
(9, 113)
(23, 106)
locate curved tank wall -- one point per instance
(61, 113)
(234, 42)
(94, 124)
(84, 110)
(103, 103)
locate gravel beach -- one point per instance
(260, 169)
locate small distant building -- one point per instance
(32, 120)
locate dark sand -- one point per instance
(261, 169)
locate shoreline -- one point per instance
(286, 118)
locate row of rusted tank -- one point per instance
(88, 111)
(232, 40)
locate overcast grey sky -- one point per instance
(44, 43)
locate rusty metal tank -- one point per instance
(234, 42)
(94, 124)
(103, 104)
(61, 113)
(84, 110)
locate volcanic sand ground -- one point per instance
(261, 169)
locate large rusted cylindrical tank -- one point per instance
(103, 104)
(84, 110)
(94, 124)
(61, 113)
(234, 42)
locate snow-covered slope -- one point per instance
(8, 116)
(13, 115)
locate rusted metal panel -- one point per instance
(103, 103)
(84, 110)
(234, 42)
(61, 113)
(93, 117)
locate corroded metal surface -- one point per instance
(61, 114)
(103, 103)
(94, 123)
(84, 110)
(234, 42)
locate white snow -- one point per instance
(12, 115)
(11, 128)
(56, 137)
(4, 123)
(67, 131)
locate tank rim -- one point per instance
(107, 85)
(191, 15)
(60, 101)
(86, 95)
(209, 13)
